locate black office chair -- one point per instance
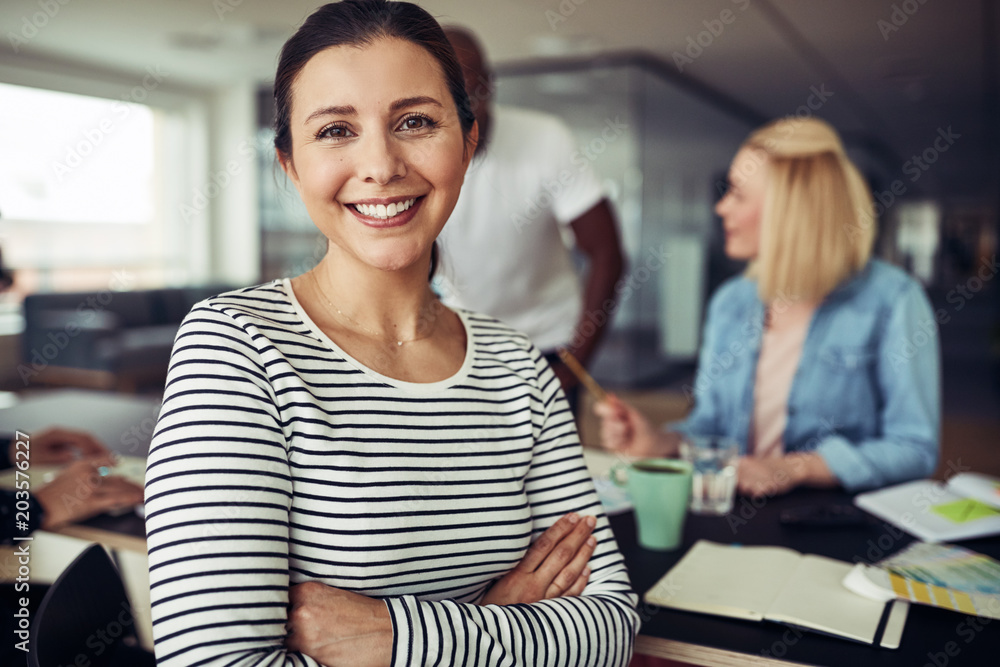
(86, 613)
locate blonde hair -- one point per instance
(818, 219)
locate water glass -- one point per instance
(713, 472)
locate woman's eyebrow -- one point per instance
(407, 102)
(348, 110)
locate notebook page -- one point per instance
(739, 582)
(814, 598)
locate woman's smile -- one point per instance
(386, 212)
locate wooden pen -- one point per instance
(581, 373)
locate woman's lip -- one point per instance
(385, 201)
(397, 220)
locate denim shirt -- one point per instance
(866, 394)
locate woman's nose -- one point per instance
(720, 206)
(381, 161)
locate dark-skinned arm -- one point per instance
(597, 237)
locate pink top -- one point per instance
(780, 351)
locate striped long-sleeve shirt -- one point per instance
(279, 459)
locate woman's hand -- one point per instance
(554, 566)
(336, 627)
(625, 431)
(80, 492)
(778, 475)
(61, 445)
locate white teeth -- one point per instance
(384, 212)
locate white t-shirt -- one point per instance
(502, 249)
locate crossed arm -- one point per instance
(337, 627)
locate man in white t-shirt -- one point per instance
(503, 251)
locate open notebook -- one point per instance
(781, 585)
(966, 507)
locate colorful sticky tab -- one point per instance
(964, 602)
(965, 510)
(920, 592)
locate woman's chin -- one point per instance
(738, 253)
(392, 262)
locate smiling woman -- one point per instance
(345, 472)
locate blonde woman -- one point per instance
(821, 361)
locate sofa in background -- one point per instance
(106, 339)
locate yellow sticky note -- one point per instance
(965, 510)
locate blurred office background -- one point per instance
(137, 172)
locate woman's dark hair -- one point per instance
(361, 22)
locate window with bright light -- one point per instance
(90, 189)
(75, 159)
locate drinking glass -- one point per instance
(713, 472)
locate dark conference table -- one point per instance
(933, 637)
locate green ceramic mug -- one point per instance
(660, 491)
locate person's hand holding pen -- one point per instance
(625, 431)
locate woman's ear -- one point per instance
(471, 142)
(287, 166)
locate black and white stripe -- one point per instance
(278, 459)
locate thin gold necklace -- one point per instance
(370, 332)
